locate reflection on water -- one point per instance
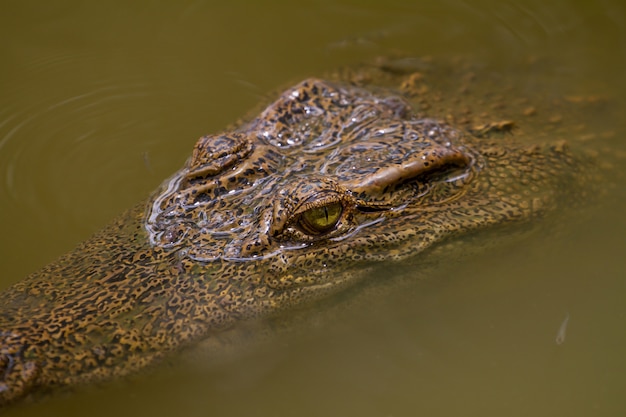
(100, 103)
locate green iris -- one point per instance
(321, 219)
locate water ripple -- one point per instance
(47, 143)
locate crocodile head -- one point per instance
(288, 207)
(331, 176)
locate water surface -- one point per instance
(101, 102)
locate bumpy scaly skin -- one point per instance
(223, 239)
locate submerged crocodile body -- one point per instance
(288, 207)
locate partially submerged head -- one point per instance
(330, 175)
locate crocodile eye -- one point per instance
(321, 219)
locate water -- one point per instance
(100, 103)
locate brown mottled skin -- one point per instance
(288, 207)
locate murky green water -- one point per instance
(100, 103)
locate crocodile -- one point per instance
(281, 209)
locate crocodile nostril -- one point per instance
(213, 154)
